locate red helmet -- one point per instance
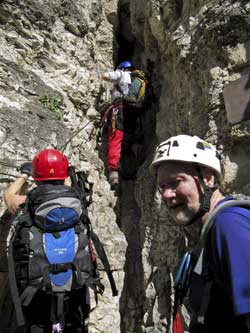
(50, 164)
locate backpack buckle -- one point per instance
(59, 268)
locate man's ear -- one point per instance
(208, 176)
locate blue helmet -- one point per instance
(124, 64)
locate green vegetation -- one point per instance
(53, 103)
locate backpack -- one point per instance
(50, 248)
(191, 259)
(137, 91)
(136, 98)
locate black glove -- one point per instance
(26, 168)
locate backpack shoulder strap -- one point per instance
(241, 202)
(84, 189)
(245, 202)
(13, 285)
(102, 255)
(81, 185)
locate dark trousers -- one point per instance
(76, 313)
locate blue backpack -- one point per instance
(51, 249)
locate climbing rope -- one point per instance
(9, 163)
(63, 147)
(9, 174)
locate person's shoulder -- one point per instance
(229, 217)
(115, 74)
(117, 71)
(237, 209)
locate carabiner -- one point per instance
(182, 271)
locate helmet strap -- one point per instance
(205, 204)
(206, 197)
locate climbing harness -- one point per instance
(115, 104)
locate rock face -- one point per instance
(190, 50)
(51, 56)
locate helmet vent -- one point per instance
(175, 144)
(200, 145)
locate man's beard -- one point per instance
(182, 214)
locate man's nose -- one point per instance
(167, 193)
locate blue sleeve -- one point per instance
(232, 259)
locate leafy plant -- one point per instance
(53, 103)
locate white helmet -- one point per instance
(186, 148)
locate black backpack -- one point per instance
(50, 248)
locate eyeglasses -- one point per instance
(169, 185)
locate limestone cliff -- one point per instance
(191, 50)
(51, 56)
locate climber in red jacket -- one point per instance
(121, 79)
